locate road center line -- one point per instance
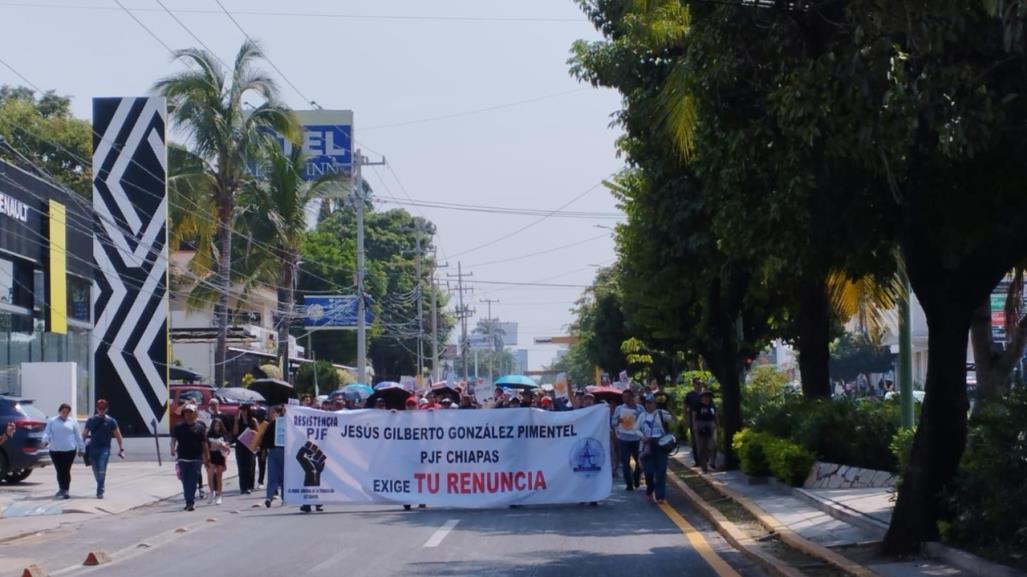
(699, 543)
(436, 539)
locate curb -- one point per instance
(969, 562)
(842, 512)
(733, 535)
(791, 538)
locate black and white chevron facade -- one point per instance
(130, 298)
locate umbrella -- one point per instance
(444, 391)
(276, 392)
(395, 396)
(516, 382)
(611, 395)
(185, 375)
(389, 385)
(353, 392)
(239, 395)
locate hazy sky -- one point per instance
(394, 62)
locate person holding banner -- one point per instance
(275, 455)
(655, 423)
(625, 420)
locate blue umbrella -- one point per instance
(363, 391)
(388, 385)
(516, 382)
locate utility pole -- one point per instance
(462, 313)
(358, 197)
(420, 311)
(492, 342)
(435, 319)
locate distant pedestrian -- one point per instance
(691, 405)
(625, 422)
(244, 457)
(655, 423)
(62, 437)
(663, 398)
(217, 438)
(706, 429)
(307, 401)
(97, 434)
(189, 445)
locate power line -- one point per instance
(529, 225)
(474, 111)
(144, 26)
(539, 253)
(266, 57)
(320, 15)
(191, 33)
(510, 210)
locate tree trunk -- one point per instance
(941, 436)
(814, 335)
(725, 367)
(224, 284)
(993, 367)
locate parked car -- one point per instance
(23, 452)
(200, 395)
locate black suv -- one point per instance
(21, 453)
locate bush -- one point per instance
(789, 462)
(856, 433)
(765, 390)
(750, 447)
(988, 498)
(901, 447)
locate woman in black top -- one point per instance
(244, 457)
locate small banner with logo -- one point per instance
(448, 458)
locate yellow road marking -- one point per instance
(699, 543)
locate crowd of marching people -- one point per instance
(204, 442)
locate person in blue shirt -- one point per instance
(99, 430)
(61, 436)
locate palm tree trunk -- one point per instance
(286, 305)
(224, 285)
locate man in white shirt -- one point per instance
(625, 422)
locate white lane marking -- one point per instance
(440, 533)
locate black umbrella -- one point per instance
(239, 395)
(184, 375)
(446, 392)
(395, 397)
(274, 391)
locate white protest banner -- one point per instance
(450, 458)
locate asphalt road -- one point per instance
(622, 536)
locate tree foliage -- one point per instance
(42, 129)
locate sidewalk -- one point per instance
(30, 506)
(846, 521)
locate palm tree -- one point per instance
(273, 209)
(207, 104)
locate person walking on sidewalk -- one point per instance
(217, 438)
(189, 445)
(244, 457)
(655, 423)
(625, 421)
(691, 404)
(97, 435)
(63, 439)
(705, 431)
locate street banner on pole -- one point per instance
(471, 458)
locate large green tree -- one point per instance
(42, 129)
(207, 102)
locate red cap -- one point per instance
(411, 402)
(546, 401)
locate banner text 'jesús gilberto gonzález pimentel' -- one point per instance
(453, 458)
